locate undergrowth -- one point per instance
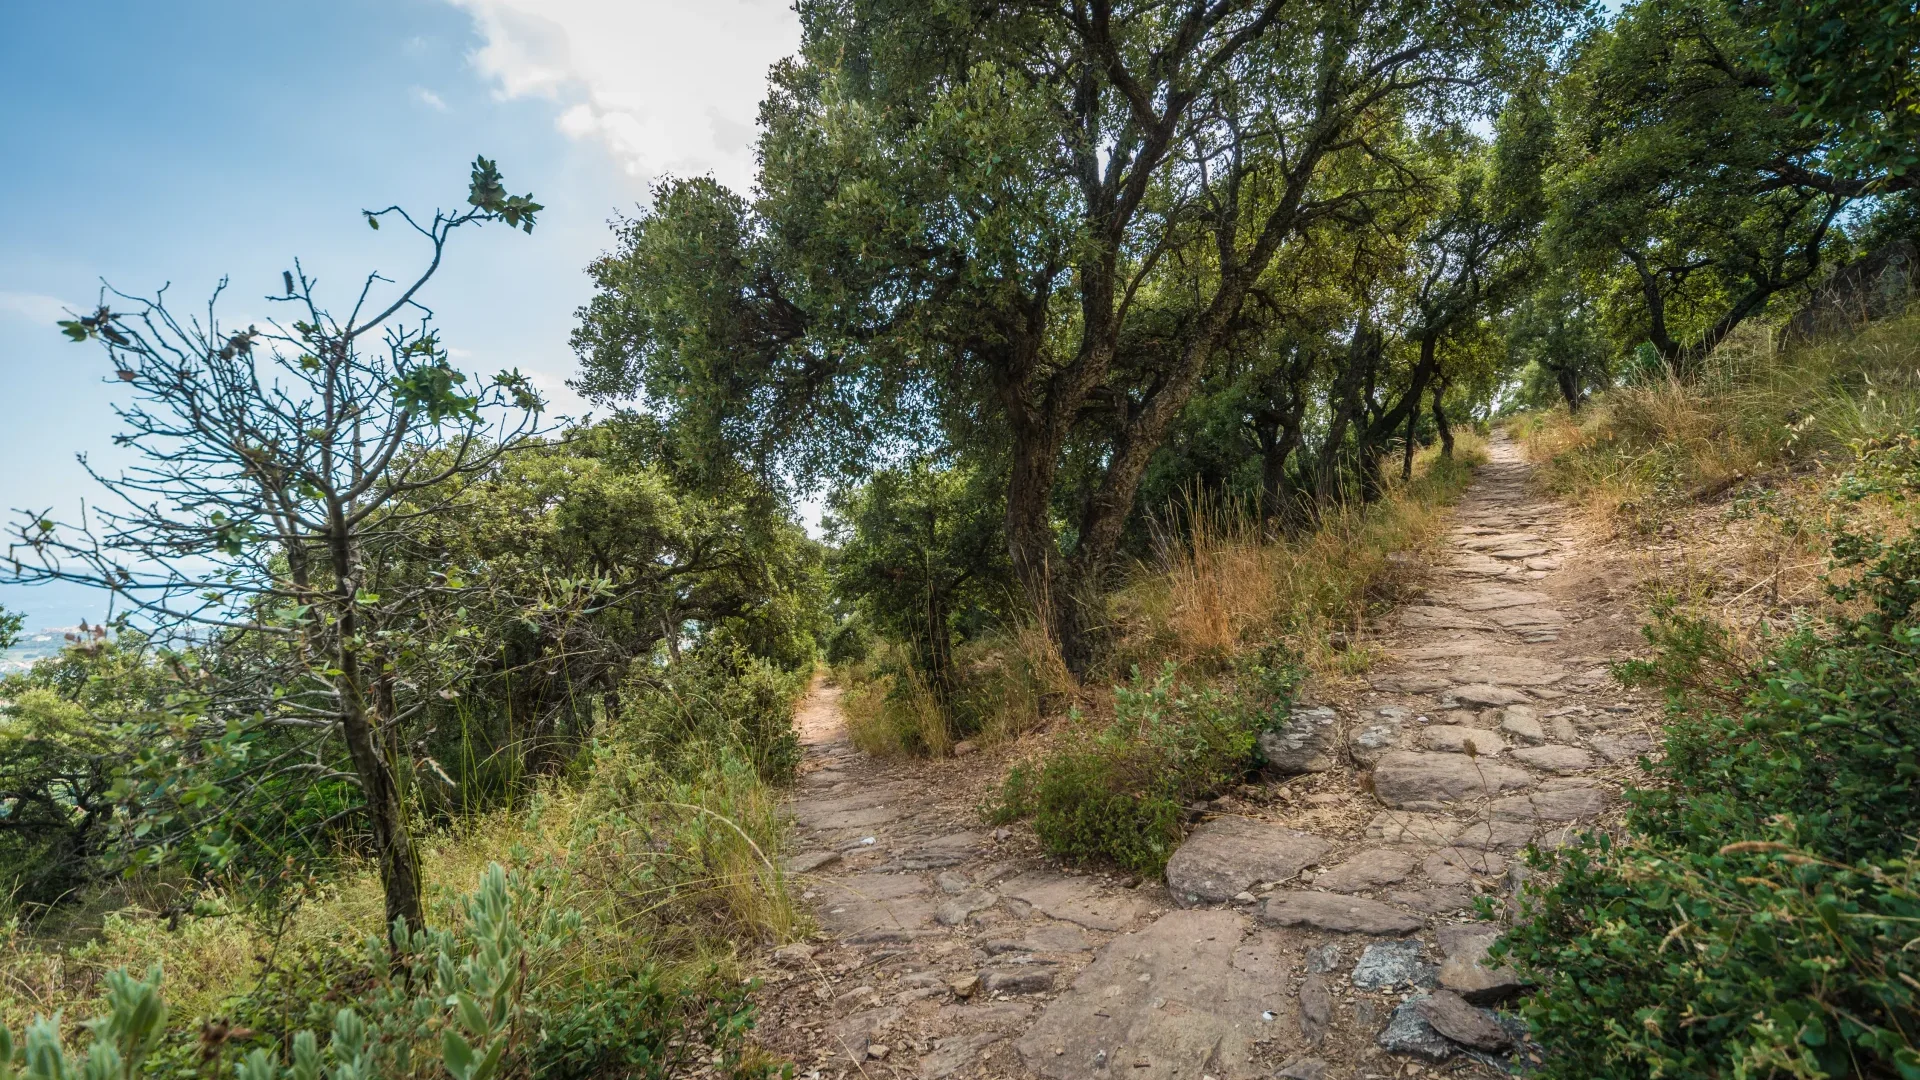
(1232, 622)
(1761, 915)
(631, 887)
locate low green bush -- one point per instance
(1761, 917)
(499, 995)
(1120, 792)
(680, 714)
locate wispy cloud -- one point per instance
(34, 307)
(430, 99)
(665, 85)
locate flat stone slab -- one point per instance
(1487, 694)
(1401, 827)
(856, 811)
(1556, 759)
(1409, 683)
(1426, 617)
(1529, 618)
(1505, 836)
(1410, 780)
(1370, 869)
(866, 902)
(1508, 671)
(1047, 937)
(1465, 970)
(1229, 855)
(1340, 914)
(1453, 739)
(1450, 1015)
(1565, 804)
(1619, 748)
(1076, 900)
(1183, 997)
(808, 862)
(1459, 865)
(1494, 597)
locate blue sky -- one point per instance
(151, 143)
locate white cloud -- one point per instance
(667, 86)
(430, 99)
(34, 307)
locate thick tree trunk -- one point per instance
(1569, 381)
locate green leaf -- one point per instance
(457, 1053)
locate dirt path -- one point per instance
(1320, 925)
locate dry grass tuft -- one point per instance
(1219, 586)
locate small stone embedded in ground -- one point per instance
(1369, 869)
(1304, 743)
(808, 862)
(950, 850)
(1485, 694)
(1175, 999)
(1453, 739)
(1561, 730)
(951, 883)
(1557, 759)
(1385, 965)
(965, 986)
(1565, 804)
(1474, 1028)
(956, 911)
(1458, 865)
(1022, 980)
(1409, 780)
(1466, 971)
(1520, 724)
(1408, 1032)
(1229, 855)
(1316, 1009)
(852, 1036)
(1325, 958)
(798, 954)
(1619, 748)
(1341, 914)
(1302, 1068)
(1368, 741)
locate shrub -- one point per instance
(684, 713)
(1121, 792)
(1760, 918)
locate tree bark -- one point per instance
(1440, 419)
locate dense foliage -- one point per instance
(1760, 912)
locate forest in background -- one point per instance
(1136, 345)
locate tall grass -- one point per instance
(1752, 412)
(1007, 683)
(1219, 585)
(670, 873)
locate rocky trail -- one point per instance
(1317, 925)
